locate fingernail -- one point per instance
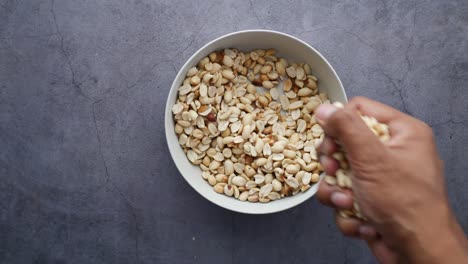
(366, 231)
(324, 111)
(322, 158)
(338, 198)
(326, 147)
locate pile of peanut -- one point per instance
(255, 146)
(342, 176)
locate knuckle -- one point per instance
(341, 117)
(342, 121)
(425, 130)
(417, 129)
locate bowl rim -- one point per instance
(169, 103)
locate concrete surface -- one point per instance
(85, 174)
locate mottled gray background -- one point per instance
(85, 174)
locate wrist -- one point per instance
(443, 241)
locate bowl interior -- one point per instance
(294, 50)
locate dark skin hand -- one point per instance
(398, 185)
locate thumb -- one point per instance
(347, 126)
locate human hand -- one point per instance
(399, 185)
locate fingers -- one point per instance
(353, 227)
(347, 126)
(328, 146)
(326, 149)
(334, 196)
(384, 254)
(367, 232)
(383, 113)
(348, 226)
(396, 120)
(363, 149)
(341, 199)
(329, 164)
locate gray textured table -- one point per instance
(85, 174)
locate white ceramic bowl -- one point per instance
(289, 47)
